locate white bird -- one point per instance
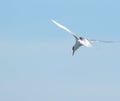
(80, 41)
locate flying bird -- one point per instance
(80, 41)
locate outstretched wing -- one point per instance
(66, 29)
(105, 41)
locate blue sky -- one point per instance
(36, 62)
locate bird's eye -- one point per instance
(72, 48)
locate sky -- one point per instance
(36, 62)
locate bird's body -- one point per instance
(80, 41)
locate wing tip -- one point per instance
(53, 20)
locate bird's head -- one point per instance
(73, 49)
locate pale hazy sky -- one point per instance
(36, 62)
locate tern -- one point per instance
(80, 41)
